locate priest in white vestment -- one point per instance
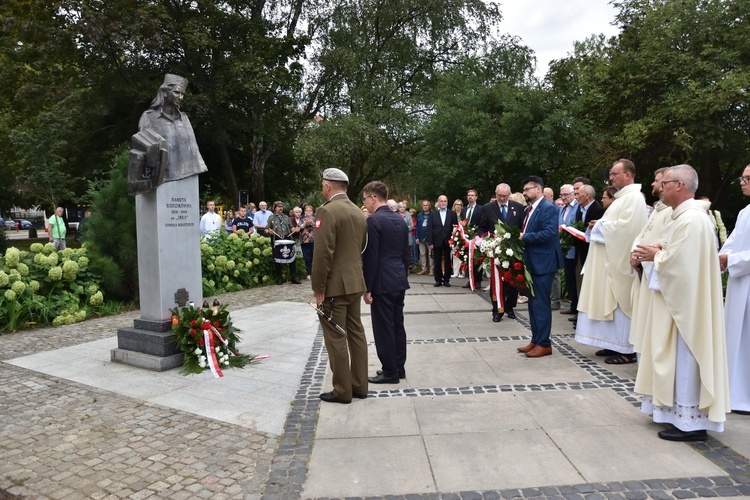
(734, 257)
(605, 302)
(684, 375)
(643, 298)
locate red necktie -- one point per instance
(526, 219)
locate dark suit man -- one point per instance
(338, 284)
(589, 209)
(472, 213)
(386, 266)
(439, 230)
(510, 212)
(543, 257)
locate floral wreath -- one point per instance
(465, 243)
(503, 253)
(208, 339)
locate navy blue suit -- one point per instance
(543, 257)
(385, 263)
(438, 235)
(476, 214)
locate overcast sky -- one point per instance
(549, 27)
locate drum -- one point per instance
(283, 251)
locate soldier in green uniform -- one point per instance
(338, 284)
(280, 227)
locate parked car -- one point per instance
(10, 225)
(23, 223)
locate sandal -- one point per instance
(607, 353)
(621, 359)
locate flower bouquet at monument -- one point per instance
(465, 244)
(503, 253)
(208, 339)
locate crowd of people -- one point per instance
(643, 282)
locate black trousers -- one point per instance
(440, 255)
(387, 314)
(510, 297)
(569, 265)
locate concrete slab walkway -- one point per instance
(473, 418)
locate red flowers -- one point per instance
(508, 276)
(520, 278)
(517, 266)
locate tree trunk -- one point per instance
(228, 172)
(258, 169)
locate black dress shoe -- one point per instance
(438, 284)
(573, 319)
(296, 281)
(496, 317)
(330, 397)
(447, 284)
(510, 313)
(400, 375)
(741, 412)
(675, 434)
(359, 396)
(382, 379)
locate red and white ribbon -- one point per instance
(496, 284)
(213, 363)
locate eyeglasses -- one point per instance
(501, 196)
(664, 183)
(530, 188)
(566, 194)
(743, 179)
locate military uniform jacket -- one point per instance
(280, 224)
(340, 238)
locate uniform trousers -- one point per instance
(347, 352)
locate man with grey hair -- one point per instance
(683, 372)
(393, 205)
(568, 217)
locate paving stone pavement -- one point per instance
(62, 439)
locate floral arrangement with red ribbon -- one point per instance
(465, 243)
(208, 339)
(503, 252)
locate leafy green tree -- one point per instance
(378, 61)
(671, 88)
(110, 233)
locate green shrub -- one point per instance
(41, 286)
(111, 235)
(234, 262)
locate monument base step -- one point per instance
(147, 361)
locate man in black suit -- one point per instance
(510, 212)
(472, 213)
(439, 230)
(589, 209)
(386, 268)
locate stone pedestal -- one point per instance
(169, 259)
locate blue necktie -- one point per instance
(505, 212)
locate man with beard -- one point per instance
(543, 257)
